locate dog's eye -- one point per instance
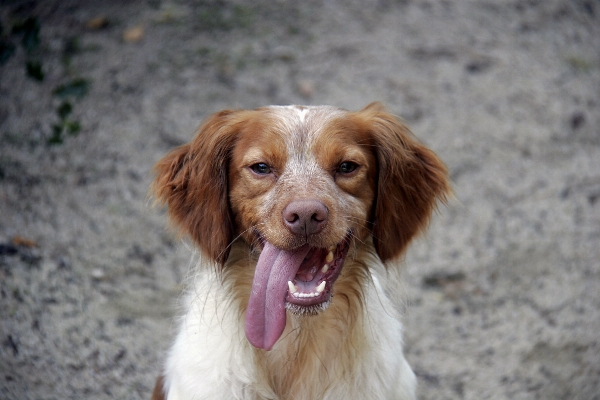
(261, 168)
(346, 167)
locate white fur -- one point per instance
(211, 358)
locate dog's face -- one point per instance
(300, 176)
(300, 184)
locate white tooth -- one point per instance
(325, 268)
(329, 257)
(332, 249)
(292, 287)
(321, 287)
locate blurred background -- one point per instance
(502, 294)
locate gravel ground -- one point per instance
(502, 295)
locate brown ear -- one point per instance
(411, 179)
(192, 181)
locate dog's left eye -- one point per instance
(261, 168)
(347, 167)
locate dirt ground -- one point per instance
(502, 295)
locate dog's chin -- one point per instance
(309, 310)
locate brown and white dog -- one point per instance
(301, 215)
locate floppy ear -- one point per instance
(411, 179)
(192, 181)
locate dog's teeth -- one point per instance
(329, 257)
(292, 287)
(294, 290)
(321, 287)
(325, 268)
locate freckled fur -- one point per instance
(353, 348)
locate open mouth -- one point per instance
(299, 280)
(313, 282)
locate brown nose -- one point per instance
(305, 217)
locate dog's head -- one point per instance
(300, 184)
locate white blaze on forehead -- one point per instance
(302, 113)
(300, 125)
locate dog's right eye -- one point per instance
(261, 168)
(347, 167)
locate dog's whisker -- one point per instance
(238, 237)
(363, 223)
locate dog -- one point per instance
(301, 215)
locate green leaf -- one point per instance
(64, 110)
(73, 127)
(34, 70)
(7, 49)
(76, 88)
(56, 137)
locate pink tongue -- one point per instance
(265, 315)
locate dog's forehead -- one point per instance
(300, 112)
(302, 124)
